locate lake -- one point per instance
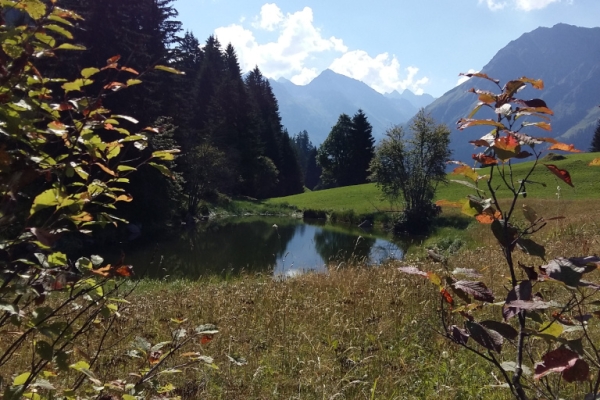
(278, 246)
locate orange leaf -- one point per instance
(485, 160)
(488, 216)
(115, 86)
(548, 140)
(478, 75)
(561, 173)
(154, 357)
(542, 125)
(595, 162)
(536, 83)
(447, 296)
(206, 339)
(466, 171)
(124, 197)
(564, 147)
(104, 271)
(133, 71)
(105, 169)
(113, 59)
(124, 270)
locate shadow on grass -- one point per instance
(457, 221)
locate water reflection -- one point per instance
(281, 246)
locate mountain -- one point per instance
(418, 101)
(316, 107)
(565, 57)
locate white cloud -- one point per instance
(382, 73)
(298, 40)
(300, 51)
(270, 17)
(525, 5)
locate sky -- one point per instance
(421, 45)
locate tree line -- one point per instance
(226, 123)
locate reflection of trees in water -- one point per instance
(222, 248)
(337, 246)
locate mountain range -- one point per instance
(565, 57)
(316, 107)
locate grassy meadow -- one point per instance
(368, 198)
(353, 333)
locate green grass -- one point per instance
(368, 198)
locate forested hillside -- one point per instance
(226, 125)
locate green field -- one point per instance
(368, 198)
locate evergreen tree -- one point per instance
(307, 158)
(362, 147)
(346, 153)
(595, 146)
(275, 142)
(335, 156)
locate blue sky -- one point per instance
(421, 45)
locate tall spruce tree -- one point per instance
(346, 153)
(362, 147)
(307, 158)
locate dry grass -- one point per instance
(354, 333)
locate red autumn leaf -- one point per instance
(124, 270)
(577, 373)
(113, 59)
(115, 86)
(485, 160)
(512, 87)
(564, 147)
(206, 339)
(561, 173)
(447, 296)
(508, 143)
(558, 360)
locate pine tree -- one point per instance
(595, 146)
(346, 153)
(363, 148)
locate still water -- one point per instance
(281, 246)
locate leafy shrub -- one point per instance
(551, 338)
(62, 174)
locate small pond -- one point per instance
(281, 246)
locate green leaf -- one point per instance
(131, 82)
(165, 155)
(57, 259)
(162, 168)
(21, 379)
(48, 198)
(46, 39)
(80, 365)
(88, 72)
(8, 307)
(60, 30)
(70, 46)
(56, 18)
(35, 8)
(128, 397)
(76, 85)
(169, 69)
(551, 329)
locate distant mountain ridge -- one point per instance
(565, 57)
(316, 107)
